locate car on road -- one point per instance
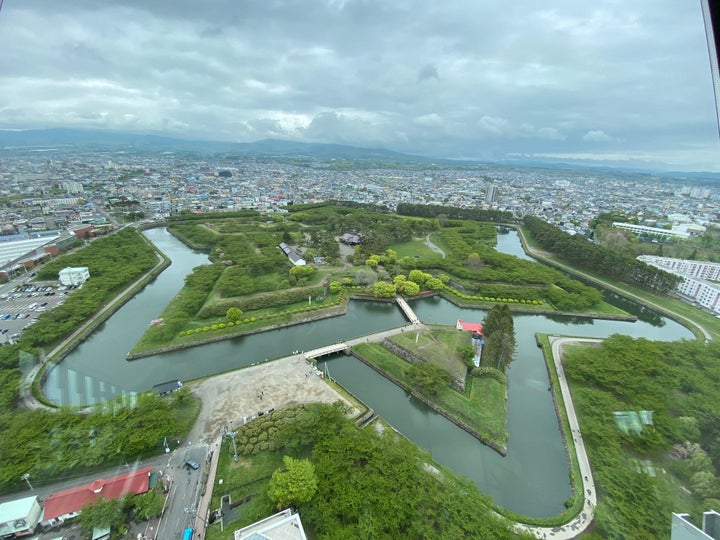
(192, 464)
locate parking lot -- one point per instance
(23, 303)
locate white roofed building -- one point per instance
(74, 276)
(19, 517)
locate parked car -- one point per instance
(192, 464)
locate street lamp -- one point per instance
(26, 477)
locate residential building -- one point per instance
(698, 269)
(651, 231)
(693, 287)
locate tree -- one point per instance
(427, 379)
(383, 289)
(104, 513)
(293, 486)
(233, 314)
(474, 261)
(434, 284)
(148, 505)
(499, 332)
(419, 277)
(301, 273)
(335, 287)
(372, 262)
(467, 353)
(410, 288)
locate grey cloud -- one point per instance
(461, 78)
(428, 71)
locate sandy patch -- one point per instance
(230, 397)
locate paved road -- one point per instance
(183, 499)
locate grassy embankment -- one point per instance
(482, 406)
(676, 309)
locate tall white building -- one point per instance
(695, 285)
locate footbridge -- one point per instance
(409, 313)
(329, 349)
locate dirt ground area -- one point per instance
(230, 397)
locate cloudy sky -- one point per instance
(487, 79)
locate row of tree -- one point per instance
(499, 334)
(580, 252)
(451, 212)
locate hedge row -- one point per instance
(261, 301)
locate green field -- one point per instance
(413, 248)
(437, 346)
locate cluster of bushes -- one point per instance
(490, 373)
(262, 434)
(490, 298)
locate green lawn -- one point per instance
(437, 346)
(413, 248)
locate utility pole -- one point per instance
(26, 477)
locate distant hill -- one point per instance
(78, 139)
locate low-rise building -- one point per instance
(683, 529)
(19, 517)
(68, 503)
(291, 254)
(74, 275)
(285, 525)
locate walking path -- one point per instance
(580, 522)
(545, 256)
(432, 246)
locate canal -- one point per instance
(532, 479)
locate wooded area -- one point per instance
(371, 483)
(644, 471)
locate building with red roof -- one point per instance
(475, 328)
(68, 503)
